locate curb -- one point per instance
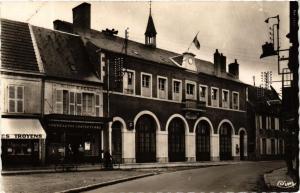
(102, 184)
(14, 173)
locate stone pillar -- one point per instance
(102, 142)
(42, 151)
(214, 147)
(109, 137)
(162, 146)
(235, 139)
(245, 146)
(128, 146)
(190, 150)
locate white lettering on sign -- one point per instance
(21, 136)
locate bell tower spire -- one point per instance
(150, 34)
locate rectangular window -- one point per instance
(276, 123)
(235, 100)
(15, 99)
(176, 94)
(190, 90)
(273, 146)
(225, 98)
(203, 93)
(146, 86)
(145, 81)
(260, 122)
(88, 99)
(162, 88)
(215, 97)
(129, 82)
(78, 103)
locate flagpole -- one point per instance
(192, 42)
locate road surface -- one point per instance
(233, 178)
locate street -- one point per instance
(234, 178)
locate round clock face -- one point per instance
(190, 60)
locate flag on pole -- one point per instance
(196, 42)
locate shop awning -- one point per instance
(21, 129)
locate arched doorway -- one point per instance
(203, 141)
(116, 134)
(242, 146)
(176, 140)
(145, 139)
(225, 142)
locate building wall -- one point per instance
(128, 106)
(52, 86)
(32, 93)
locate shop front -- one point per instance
(74, 138)
(22, 142)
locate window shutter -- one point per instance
(97, 105)
(78, 103)
(72, 103)
(11, 99)
(20, 99)
(65, 102)
(59, 101)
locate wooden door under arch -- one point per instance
(145, 139)
(176, 140)
(225, 142)
(203, 141)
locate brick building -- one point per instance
(165, 106)
(140, 102)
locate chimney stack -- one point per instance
(219, 63)
(82, 17)
(234, 69)
(223, 63)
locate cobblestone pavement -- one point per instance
(53, 182)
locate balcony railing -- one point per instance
(193, 105)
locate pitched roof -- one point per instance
(64, 55)
(150, 30)
(142, 51)
(17, 52)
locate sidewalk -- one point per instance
(278, 180)
(98, 167)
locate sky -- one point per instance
(237, 29)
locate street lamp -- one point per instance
(268, 48)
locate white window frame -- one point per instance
(180, 90)
(238, 100)
(188, 96)
(166, 87)
(150, 84)
(206, 93)
(228, 100)
(16, 100)
(133, 82)
(84, 110)
(217, 98)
